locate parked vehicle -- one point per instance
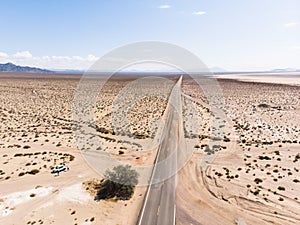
(60, 168)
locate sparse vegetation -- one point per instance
(264, 157)
(21, 174)
(258, 180)
(33, 172)
(263, 105)
(281, 188)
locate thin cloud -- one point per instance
(199, 13)
(25, 58)
(291, 24)
(92, 58)
(3, 55)
(296, 47)
(22, 55)
(164, 6)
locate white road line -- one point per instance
(174, 219)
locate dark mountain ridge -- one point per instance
(10, 67)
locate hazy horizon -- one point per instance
(155, 70)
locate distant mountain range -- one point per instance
(10, 67)
(220, 71)
(285, 70)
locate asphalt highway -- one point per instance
(159, 204)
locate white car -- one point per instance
(60, 168)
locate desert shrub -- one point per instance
(119, 183)
(263, 105)
(258, 180)
(277, 152)
(226, 139)
(281, 188)
(33, 172)
(297, 157)
(256, 192)
(21, 174)
(264, 157)
(72, 157)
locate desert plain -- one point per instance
(252, 176)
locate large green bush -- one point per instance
(119, 183)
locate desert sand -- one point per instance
(254, 178)
(292, 78)
(37, 135)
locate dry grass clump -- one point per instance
(91, 186)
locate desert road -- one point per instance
(159, 204)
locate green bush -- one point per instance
(119, 183)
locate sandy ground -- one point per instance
(36, 135)
(292, 78)
(253, 179)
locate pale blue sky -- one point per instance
(232, 34)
